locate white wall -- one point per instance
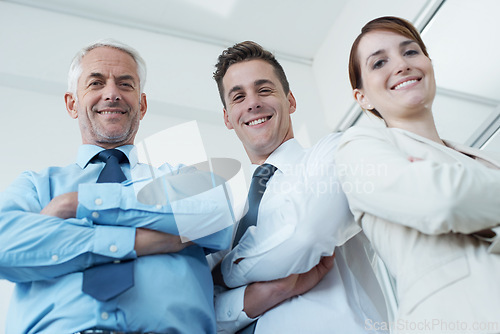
(35, 130)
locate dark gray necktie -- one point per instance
(107, 281)
(257, 187)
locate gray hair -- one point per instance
(75, 69)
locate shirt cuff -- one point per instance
(114, 241)
(229, 310)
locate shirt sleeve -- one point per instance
(295, 228)
(34, 246)
(229, 312)
(202, 215)
(430, 196)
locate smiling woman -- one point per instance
(431, 210)
(399, 44)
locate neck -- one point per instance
(258, 158)
(423, 126)
(106, 146)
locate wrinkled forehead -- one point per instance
(108, 61)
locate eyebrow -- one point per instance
(119, 78)
(401, 45)
(263, 81)
(95, 75)
(126, 77)
(234, 89)
(256, 83)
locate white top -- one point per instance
(303, 216)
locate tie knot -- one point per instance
(264, 171)
(106, 154)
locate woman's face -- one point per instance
(397, 78)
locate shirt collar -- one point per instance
(87, 152)
(285, 155)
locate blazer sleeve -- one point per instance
(429, 196)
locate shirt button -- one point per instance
(158, 206)
(55, 257)
(104, 316)
(95, 214)
(228, 313)
(113, 248)
(98, 201)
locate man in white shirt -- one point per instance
(290, 271)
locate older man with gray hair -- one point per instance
(85, 254)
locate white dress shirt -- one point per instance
(303, 216)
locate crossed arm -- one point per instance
(286, 255)
(433, 196)
(260, 297)
(41, 238)
(147, 241)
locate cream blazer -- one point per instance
(421, 217)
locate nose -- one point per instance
(402, 65)
(253, 103)
(111, 92)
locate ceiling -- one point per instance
(279, 24)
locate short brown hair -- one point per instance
(245, 51)
(387, 23)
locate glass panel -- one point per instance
(493, 144)
(458, 118)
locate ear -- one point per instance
(362, 99)
(71, 105)
(226, 120)
(293, 102)
(144, 105)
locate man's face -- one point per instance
(109, 105)
(257, 108)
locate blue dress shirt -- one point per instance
(45, 255)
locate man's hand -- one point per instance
(63, 206)
(301, 283)
(263, 296)
(149, 242)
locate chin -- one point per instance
(113, 138)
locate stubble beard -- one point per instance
(102, 136)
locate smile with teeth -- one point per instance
(404, 84)
(259, 121)
(111, 112)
